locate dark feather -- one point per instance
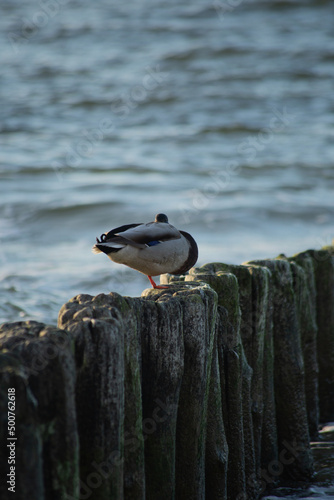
(121, 240)
(105, 249)
(146, 240)
(192, 255)
(118, 230)
(142, 239)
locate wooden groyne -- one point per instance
(211, 389)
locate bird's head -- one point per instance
(161, 218)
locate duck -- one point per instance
(153, 248)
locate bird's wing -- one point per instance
(153, 231)
(118, 230)
(138, 235)
(120, 242)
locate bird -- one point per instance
(153, 249)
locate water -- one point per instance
(219, 114)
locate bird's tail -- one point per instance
(107, 247)
(96, 250)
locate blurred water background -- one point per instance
(219, 113)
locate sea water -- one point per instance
(218, 113)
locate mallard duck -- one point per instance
(154, 248)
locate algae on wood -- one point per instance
(291, 415)
(263, 396)
(323, 261)
(199, 316)
(216, 454)
(161, 327)
(40, 366)
(305, 293)
(99, 326)
(206, 389)
(230, 355)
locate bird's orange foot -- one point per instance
(159, 287)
